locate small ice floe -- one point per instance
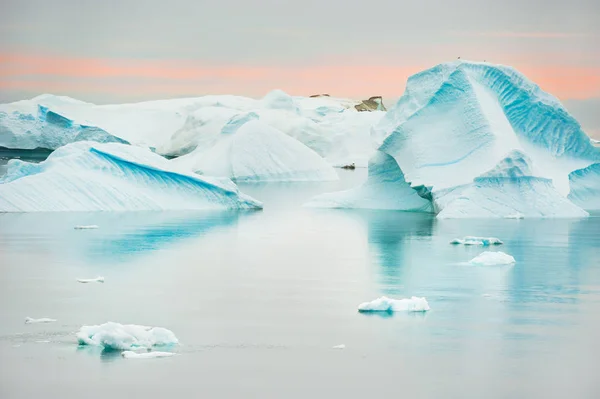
(342, 346)
(145, 355)
(488, 258)
(42, 342)
(385, 304)
(115, 336)
(86, 227)
(31, 320)
(514, 216)
(98, 279)
(471, 240)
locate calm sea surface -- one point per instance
(258, 300)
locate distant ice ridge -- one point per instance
(385, 304)
(146, 355)
(251, 151)
(89, 176)
(98, 279)
(384, 189)
(483, 141)
(585, 187)
(488, 258)
(30, 320)
(117, 336)
(471, 240)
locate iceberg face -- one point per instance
(585, 187)
(115, 336)
(483, 241)
(506, 190)
(385, 304)
(252, 151)
(89, 176)
(492, 258)
(385, 188)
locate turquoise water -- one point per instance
(258, 300)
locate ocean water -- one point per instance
(258, 300)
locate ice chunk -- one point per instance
(342, 346)
(112, 177)
(98, 279)
(385, 188)
(145, 355)
(86, 227)
(257, 152)
(385, 304)
(471, 240)
(117, 336)
(514, 216)
(278, 99)
(30, 320)
(585, 187)
(488, 258)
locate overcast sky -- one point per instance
(115, 51)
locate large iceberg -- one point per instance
(89, 176)
(385, 188)
(251, 151)
(115, 336)
(485, 142)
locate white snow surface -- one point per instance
(585, 187)
(88, 176)
(489, 258)
(31, 320)
(385, 304)
(385, 188)
(472, 240)
(98, 279)
(253, 151)
(146, 355)
(125, 336)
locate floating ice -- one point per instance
(125, 337)
(30, 320)
(88, 227)
(342, 346)
(514, 216)
(146, 355)
(488, 258)
(385, 304)
(98, 279)
(471, 240)
(89, 176)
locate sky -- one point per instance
(128, 50)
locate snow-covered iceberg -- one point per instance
(509, 188)
(89, 176)
(385, 304)
(585, 187)
(484, 141)
(488, 258)
(472, 240)
(385, 188)
(251, 151)
(115, 336)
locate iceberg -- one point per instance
(385, 304)
(508, 189)
(98, 279)
(86, 227)
(115, 336)
(471, 240)
(488, 258)
(585, 187)
(88, 176)
(252, 151)
(470, 135)
(342, 346)
(146, 355)
(385, 188)
(30, 320)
